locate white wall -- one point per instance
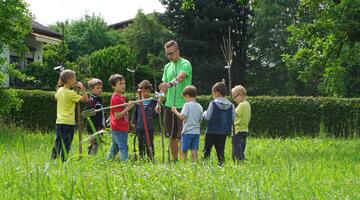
(39, 46)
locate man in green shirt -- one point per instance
(176, 76)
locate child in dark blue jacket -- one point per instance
(144, 88)
(220, 116)
(95, 102)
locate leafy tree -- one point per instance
(15, 23)
(268, 74)
(326, 36)
(111, 60)
(200, 32)
(86, 35)
(146, 36)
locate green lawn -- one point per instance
(298, 168)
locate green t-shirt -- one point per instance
(243, 116)
(171, 71)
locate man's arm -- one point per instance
(164, 86)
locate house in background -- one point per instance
(123, 24)
(35, 41)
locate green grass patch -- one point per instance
(298, 168)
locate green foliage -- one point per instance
(146, 37)
(15, 23)
(327, 43)
(110, 61)
(298, 168)
(86, 35)
(44, 76)
(268, 74)
(55, 54)
(10, 101)
(271, 116)
(200, 33)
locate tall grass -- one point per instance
(298, 168)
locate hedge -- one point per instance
(271, 116)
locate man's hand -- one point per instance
(164, 86)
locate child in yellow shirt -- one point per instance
(242, 120)
(65, 112)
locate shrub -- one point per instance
(271, 116)
(112, 60)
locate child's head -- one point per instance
(189, 93)
(145, 87)
(219, 90)
(117, 82)
(68, 77)
(238, 93)
(95, 86)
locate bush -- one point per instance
(112, 60)
(271, 116)
(45, 77)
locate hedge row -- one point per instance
(271, 116)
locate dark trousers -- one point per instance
(95, 141)
(219, 142)
(64, 137)
(239, 145)
(142, 142)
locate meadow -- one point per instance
(292, 168)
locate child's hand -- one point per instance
(60, 83)
(132, 126)
(79, 85)
(130, 104)
(173, 109)
(158, 109)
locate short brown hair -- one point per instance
(115, 78)
(66, 75)
(190, 91)
(219, 87)
(145, 84)
(94, 82)
(171, 43)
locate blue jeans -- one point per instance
(190, 141)
(119, 143)
(239, 145)
(64, 137)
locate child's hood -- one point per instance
(223, 103)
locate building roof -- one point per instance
(121, 25)
(44, 30)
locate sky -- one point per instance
(50, 11)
